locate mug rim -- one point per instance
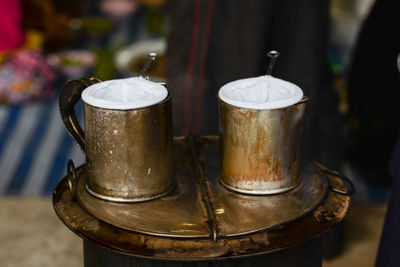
(303, 100)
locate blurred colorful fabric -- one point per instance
(35, 148)
(118, 8)
(25, 76)
(11, 33)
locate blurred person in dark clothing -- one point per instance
(374, 92)
(214, 42)
(390, 240)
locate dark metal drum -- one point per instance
(304, 255)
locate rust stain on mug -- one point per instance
(261, 149)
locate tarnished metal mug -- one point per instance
(129, 153)
(261, 149)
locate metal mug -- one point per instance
(129, 153)
(261, 149)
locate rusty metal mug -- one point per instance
(129, 153)
(261, 149)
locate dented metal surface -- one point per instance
(321, 215)
(261, 149)
(205, 191)
(129, 153)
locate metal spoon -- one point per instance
(273, 54)
(150, 58)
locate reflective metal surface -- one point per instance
(200, 207)
(331, 209)
(261, 149)
(179, 214)
(129, 153)
(238, 214)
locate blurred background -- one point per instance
(342, 53)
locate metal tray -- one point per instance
(201, 218)
(183, 214)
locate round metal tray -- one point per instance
(181, 215)
(201, 218)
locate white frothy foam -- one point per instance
(264, 92)
(123, 94)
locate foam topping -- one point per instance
(263, 92)
(129, 93)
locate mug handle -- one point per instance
(69, 96)
(346, 189)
